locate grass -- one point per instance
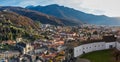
(99, 56)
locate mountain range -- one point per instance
(38, 16)
(75, 15)
(59, 15)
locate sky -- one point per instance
(98, 7)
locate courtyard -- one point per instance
(99, 56)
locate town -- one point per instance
(60, 43)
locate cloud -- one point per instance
(78, 5)
(24, 3)
(98, 7)
(110, 7)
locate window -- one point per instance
(77, 51)
(86, 47)
(83, 48)
(98, 45)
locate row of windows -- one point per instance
(90, 47)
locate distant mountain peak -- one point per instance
(53, 5)
(30, 6)
(75, 15)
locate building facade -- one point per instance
(118, 45)
(86, 48)
(24, 48)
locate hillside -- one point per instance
(17, 19)
(72, 14)
(13, 25)
(38, 16)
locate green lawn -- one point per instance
(99, 56)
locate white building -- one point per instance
(86, 48)
(118, 45)
(24, 48)
(8, 54)
(110, 45)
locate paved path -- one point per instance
(82, 60)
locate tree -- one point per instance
(10, 36)
(116, 54)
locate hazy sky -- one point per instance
(99, 7)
